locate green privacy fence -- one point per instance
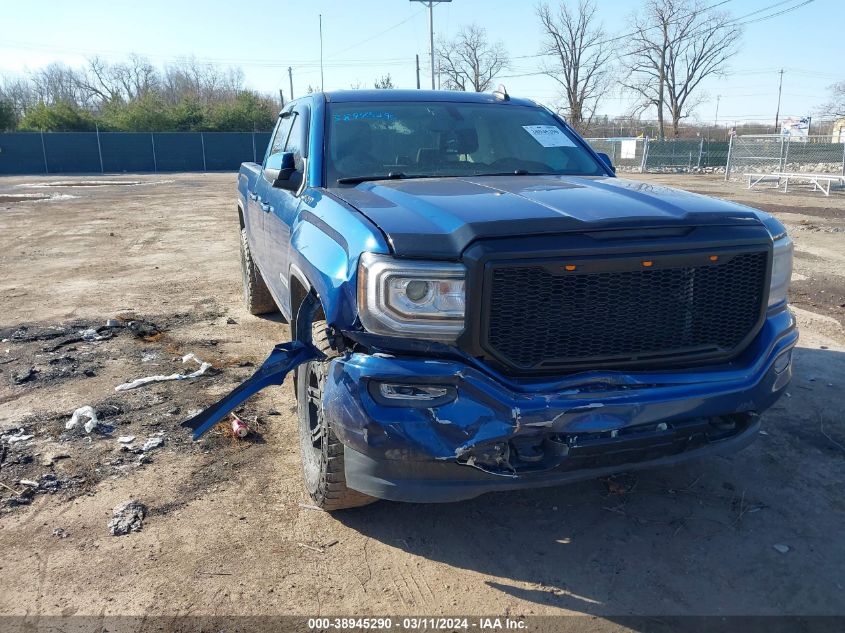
(643, 154)
(123, 152)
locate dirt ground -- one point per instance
(228, 530)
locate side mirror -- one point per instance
(279, 170)
(606, 159)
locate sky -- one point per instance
(367, 39)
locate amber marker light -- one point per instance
(648, 263)
(714, 258)
(570, 267)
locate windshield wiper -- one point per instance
(394, 175)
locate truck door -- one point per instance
(261, 201)
(284, 204)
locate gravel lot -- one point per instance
(226, 531)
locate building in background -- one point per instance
(838, 134)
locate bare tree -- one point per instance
(470, 61)
(57, 83)
(137, 77)
(18, 91)
(582, 66)
(205, 83)
(836, 106)
(645, 57)
(676, 45)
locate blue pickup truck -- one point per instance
(478, 303)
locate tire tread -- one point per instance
(257, 296)
(332, 493)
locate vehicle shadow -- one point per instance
(274, 317)
(694, 539)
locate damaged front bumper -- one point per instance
(479, 432)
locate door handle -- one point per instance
(265, 206)
(253, 196)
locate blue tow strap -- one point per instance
(284, 358)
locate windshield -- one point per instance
(401, 140)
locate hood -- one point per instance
(440, 217)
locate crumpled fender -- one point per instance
(284, 358)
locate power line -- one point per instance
(208, 60)
(360, 63)
(380, 33)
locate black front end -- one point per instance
(645, 298)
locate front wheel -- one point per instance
(320, 450)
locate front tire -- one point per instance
(320, 451)
(257, 297)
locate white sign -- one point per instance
(549, 135)
(628, 148)
(796, 127)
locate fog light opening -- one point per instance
(398, 394)
(783, 361)
(411, 392)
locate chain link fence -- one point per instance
(123, 152)
(779, 153)
(676, 155)
(126, 152)
(626, 153)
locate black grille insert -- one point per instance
(541, 317)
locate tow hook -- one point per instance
(284, 358)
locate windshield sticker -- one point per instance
(549, 135)
(357, 116)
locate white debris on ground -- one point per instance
(153, 442)
(84, 412)
(126, 439)
(80, 183)
(140, 382)
(34, 197)
(19, 437)
(127, 517)
(90, 335)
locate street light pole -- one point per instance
(430, 4)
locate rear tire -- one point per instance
(257, 297)
(321, 452)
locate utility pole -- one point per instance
(290, 76)
(430, 4)
(322, 84)
(281, 98)
(716, 120)
(418, 72)
(777, 112)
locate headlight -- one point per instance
(781, 270)
(411, 298)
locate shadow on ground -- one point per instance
(659, 543)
